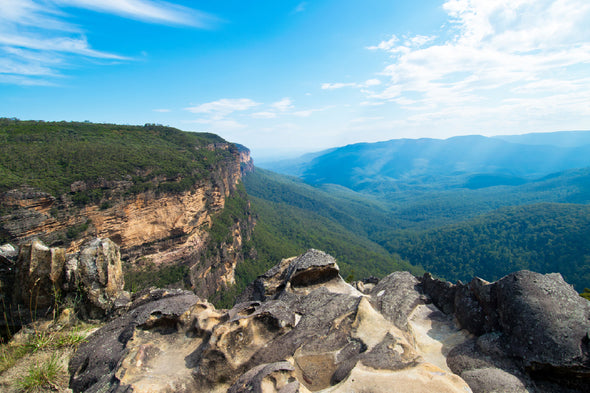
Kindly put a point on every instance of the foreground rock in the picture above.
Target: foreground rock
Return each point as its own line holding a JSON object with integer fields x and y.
{"x": 41, "y": 281}
{"x": 301, "y": 328}
{"x": 532, "y": 333}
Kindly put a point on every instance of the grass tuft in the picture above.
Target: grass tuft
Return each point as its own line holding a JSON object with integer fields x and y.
{"x": 41, "y": 376}
{"x": 9, "y": 355}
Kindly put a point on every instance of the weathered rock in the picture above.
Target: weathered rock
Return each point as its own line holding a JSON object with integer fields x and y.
{"x": 99, "y": 364}
{"x": 8, "y": 251}
{"x": 547, "y": 325}
{"x": 308, "y": 331}
{"x": 534, "y": 327}
{"x": 267, "y": 378}
{"x": 493, "y": 380}
{"x": 40, "y": 274}
{"x": 98, "y": 274}
{"x": 396, "y": 296}
{"x": 442, "y": 293}
{"x": 313, "y": 267}
{"x": 300, "y": 328}
{"x": 299, "y": 275}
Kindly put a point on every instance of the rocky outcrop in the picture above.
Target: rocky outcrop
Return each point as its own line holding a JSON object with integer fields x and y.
{"x": 117, "y": 352}
{"x": 532, "y": 333}
{"x": 96, "y": 274}
{"x": 40, "y": 274}
{"x": 43, "y": 280}
{"x": 300, "y": 328}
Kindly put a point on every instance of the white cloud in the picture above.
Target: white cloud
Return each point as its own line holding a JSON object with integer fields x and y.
{"x": 334, "y": 86}
{"x": 264, "y": 115}
{"x": 145, "y": 10}
{"x": 283, "y": 105}
{"x": 223, "y": 107}
{"x": 37, "y": 40}
{"x": 309, "y": 112}
{"x": 502, "y": 60}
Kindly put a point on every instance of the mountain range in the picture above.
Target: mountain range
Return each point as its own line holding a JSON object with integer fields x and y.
{"x": 465, "y": 161}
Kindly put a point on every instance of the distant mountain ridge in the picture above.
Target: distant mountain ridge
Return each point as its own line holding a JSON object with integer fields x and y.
{"x": 560, "y": 138}
{"x": 407, "y": 162}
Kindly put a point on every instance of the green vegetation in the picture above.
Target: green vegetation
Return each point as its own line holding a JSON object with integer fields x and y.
{"x": 41, "y": 341}
{"x": 150, "y": 275}
{"x": 455, "y": 233}
{"x": 293, "y": 216}
{"x": 542, "y": 237}
{"x": 50, "y": 156}
{"x": 42, "y": 376}
{"x": 586, "y": 293}
{"x": 9, "y": 355}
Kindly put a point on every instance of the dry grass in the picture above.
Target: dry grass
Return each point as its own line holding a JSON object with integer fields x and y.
{"x": 36, "y": 359}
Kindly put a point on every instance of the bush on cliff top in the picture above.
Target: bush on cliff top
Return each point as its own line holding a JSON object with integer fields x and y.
{"x": 50, "y": 156}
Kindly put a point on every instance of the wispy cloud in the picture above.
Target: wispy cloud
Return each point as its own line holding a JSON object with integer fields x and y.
{"x": 161, "y": 110}
{"x": 283, "y": 105}
{"x": 153, "y": 11}
{"x": 264, "y": 115}
{"x": 309, "y": 112}
{"x": 38, "y": 41}
{"x": 223, "y": 107}
{"x": 507, "y": 56}
{"x": 334, "y": 86}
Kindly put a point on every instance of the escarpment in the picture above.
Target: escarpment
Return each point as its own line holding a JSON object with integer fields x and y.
{"x": 301, "y": 328}
{"x": 159, "y": 220}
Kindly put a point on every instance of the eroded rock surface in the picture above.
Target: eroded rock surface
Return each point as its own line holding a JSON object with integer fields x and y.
{"x": 531, "y": 333}
{"x": 300, "y": 328}
{"x": 42, "y": 280}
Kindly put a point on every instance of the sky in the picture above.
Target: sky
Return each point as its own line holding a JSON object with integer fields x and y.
{"x": 287, "y": 77}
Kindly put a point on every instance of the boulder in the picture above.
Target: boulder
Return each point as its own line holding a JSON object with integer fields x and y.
{"x": 96, "y": 273}
{"x": 532, "y": 326}
{"x": 40, "y": 274}
{"x": 118, "y": 351}
{"x": 546, "y": 324}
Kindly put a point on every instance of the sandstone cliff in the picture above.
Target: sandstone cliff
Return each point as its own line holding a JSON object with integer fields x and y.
{"x": 301, "y": 328}
{"x": 154, "y": 227}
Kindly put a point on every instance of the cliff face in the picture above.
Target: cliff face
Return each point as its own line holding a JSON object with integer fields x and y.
{"x": 153, "y": 227}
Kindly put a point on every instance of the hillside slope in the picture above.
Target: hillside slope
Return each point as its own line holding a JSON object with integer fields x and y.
{"x": 543, "y": 237}
{"x": 156, "y": 191}
{"x": 293, "y": 216}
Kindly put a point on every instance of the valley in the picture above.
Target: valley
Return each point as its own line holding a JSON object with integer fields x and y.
{"x": 455, "y": 224}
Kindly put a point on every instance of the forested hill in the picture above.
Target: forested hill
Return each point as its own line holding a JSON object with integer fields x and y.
{"x": 50, "y": 156}
{"x": 293, "y": 216}
{"x": 543, "y": 237}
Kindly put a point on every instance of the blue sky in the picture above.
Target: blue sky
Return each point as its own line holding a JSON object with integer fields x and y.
{"x": 285, "y": 77}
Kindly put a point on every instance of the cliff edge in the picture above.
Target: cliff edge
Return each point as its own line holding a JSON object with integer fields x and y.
{"x": 300, "y": 328}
